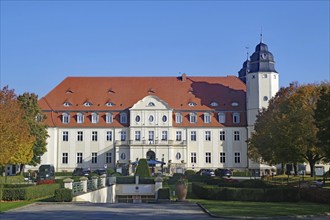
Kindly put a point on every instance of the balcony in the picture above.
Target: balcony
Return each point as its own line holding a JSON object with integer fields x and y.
{"x": 157, "y": 142}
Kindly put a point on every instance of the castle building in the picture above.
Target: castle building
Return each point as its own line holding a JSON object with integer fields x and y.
{"x": 187, "y": 122}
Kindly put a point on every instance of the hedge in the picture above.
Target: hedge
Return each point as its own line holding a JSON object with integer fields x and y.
{"x": 29, "y": 193}
{"x": 63, "y": 195}
{"x": 164, "y": 193}
{"x": 131, "y": 180}
{"x": 319, "y": 195}
{"x": 11, "y": 179}
{"x": 210, "y": 192}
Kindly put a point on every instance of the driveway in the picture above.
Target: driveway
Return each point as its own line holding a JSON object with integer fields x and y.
{"x": 91, "y": 211}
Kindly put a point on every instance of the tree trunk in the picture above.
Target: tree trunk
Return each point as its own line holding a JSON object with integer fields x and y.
{"x": 312, "y": 165}
{"x": 21, "y": 168}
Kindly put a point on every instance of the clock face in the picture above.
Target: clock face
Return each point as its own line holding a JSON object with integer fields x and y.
{"x": 263, "y": 56}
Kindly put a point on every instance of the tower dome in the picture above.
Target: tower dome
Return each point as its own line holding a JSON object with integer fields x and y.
{"x": 262, "y": 60}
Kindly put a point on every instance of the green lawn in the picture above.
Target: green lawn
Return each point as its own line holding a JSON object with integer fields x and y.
{"x": 5, "y": 206}
{"x": 262, "y": 209}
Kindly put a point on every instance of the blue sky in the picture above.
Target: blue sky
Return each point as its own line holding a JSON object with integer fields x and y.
{"x": 42, "y": 42}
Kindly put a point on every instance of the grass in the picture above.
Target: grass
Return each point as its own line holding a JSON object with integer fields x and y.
{"x": 258, "y": 209}
{"x": 8, "y": 205}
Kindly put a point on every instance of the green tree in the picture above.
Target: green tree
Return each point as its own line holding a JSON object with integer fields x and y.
{"x": 285, "y": 132}
{"x": 322, "y": 120}
{"x": 34, "y": 117}
{"x": 142, "y": 169}
{"x": 15, "y": 140}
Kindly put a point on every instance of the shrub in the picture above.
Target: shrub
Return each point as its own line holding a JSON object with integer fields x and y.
{"x": 164, "y": 193}
{"x": 63, "y": 174}
{"x": 110, "y": 171}
{"x": 189, "y": 172}
{"x": 13, "y": 194}
{"x": 142, "y": 169}
{"x": 29, "y": 193}
{"x": 318, "y": 195}
{"x": 116, "y": 174}
{"x": 63, "y": 195}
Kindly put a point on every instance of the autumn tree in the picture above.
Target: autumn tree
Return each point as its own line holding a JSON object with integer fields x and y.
{"x": 15, "y": 140}
{"x": 34, "y": 117}
{"x": 285, "y": 132}
{"x": 322, "y": 120}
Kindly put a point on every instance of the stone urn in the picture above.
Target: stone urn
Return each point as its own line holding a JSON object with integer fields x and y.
{"x": 181, "y": 188}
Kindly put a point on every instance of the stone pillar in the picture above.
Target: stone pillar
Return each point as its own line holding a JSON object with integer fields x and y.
{"x": 68, "y": 183}
{"x": 158, "y": 185}
{"x": 94, "y": 179}
{"x": 83, "y": 181}
{"x": 136, "y": 180}
{"x": 103, "y": 179}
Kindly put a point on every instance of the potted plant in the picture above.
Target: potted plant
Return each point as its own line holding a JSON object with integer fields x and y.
{"x": 181, "y": 189}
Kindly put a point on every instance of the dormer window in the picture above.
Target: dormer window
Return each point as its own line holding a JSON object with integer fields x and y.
{"x": 80, "y": 118}
{"x": 95, "y": 118}
{"x": 67, "y": 104}
{"x": 108, "y": 118}
{"x": 87, "y": 104}
{"x": 192, "y": 104}
{"x": 236, "y": 118}
{"x": 193, "y": 118}
{"x": 214, "y": 104}
{"x": 65, "y": 118}
{"x": 234, "y": 104}
{"x": 178, "y": 118}
{"x": 151, "y": 104}
{"x": 110, "y": 104}
{"x": 207, "y": 118}
{"x": 222, "y": 117}
{"x": 123, "y": 117}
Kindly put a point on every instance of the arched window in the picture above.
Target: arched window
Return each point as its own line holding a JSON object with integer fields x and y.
{"x": 80, "y": 118}
{"x": 95, "y": 118}
{"x": 193, "y": 117}
{"x": 222, "y": 117}
{"x": 151, "y": 155}
{"x": 108, "y": 118}
{"x": 207, "y": 118}
{"x": 123, "y": 117}
{"x": 65, "y": 118}
{"x": 236, "y": 118}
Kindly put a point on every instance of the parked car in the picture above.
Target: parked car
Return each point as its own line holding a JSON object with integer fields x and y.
{"x": 46, "y": 172}
{"x": 81, "y": 172}
{"x": 100, "y": 172}
{"x": 206, "y": 172}
{"x": 223, "y": 172}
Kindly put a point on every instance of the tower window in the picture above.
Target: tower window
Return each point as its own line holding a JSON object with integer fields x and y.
{"x": 265, "y": 98}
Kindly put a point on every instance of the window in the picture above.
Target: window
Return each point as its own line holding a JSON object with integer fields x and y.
{"x": 208, "y": 135}
{"x": 236, "y": 118}
{"x": 108, "y": 158}
{"x": 95, "y": 118}
{"x": 88, "y": 104}
{"x": 193, "y": 118}
{"x": 108, "y": 118}
{"x": 94, "y": 157}
{"x": 214, "y": 104}
{"x": 178, "y": 118}
{"x": 178, "y": 135}
{"x": 79, "y": 136}
{"x": 80, "y": 118}
{"x": 193, "y": 135}
{"x": 65, "y": 158}
{"x": 123, "y": 117}
{"x": 94, "y": 135}
{"x": 65, "y": 118}
{"x": 151, "y": 118}
{"x": 222, "y": 136}
{"x": 110, "y": 104}
{"x": 109, "y": 136}
{"x": 207, "y": 118}
{"x": 265, "y": 98}
{"x": 236, "y": 135}
{"x": 123, "y": 156}
{"x": 137, "y": 118}
{"x": 208, "y": 157}
{"x": 151, "y": 104}
{"x": 234, "y": 104}
{"x": 192, "y": 104}
{"x": 193, "y": 157}
{"x": 164, "y": 118}
{"x": 222, "y": 157}
{"x": 222, "y": 117}
{"x": 237, "y": 157}
{"x": 67, "y": 104}
{"x": 123, "y": 135}
{"x": 65, "y": 136}
{"x": 264, "y": 76}
{"x": 79, "y": 157}
{"x": 151, "y": 135}
{"x": 137, "y": 135}
{"x": 39, "y": 117}
{"x": 164, "y": 135}
{"x": 178, "y": 156}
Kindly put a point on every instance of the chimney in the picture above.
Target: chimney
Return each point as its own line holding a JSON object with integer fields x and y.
{"x": 183, "y": 77}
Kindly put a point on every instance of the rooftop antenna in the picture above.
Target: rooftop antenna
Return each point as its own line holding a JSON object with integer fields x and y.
{"x": 261, "y": 35}
{"x": 247, "y": 53}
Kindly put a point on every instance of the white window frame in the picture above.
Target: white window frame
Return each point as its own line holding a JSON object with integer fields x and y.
{"x": 65, "y": 136}
{"x": 94, "y": 157}
{"x": 138, "y": 135}
{"x": 80, "y": 136}
{"x": 108, "y": 118}
{"x": 95, "y": 118}
{"x": 178, "y": 135}
{"x": 222, "y": 135}
{"x": 236, "y": 136}
{"x": 207, "y": 135}
{"x": 79, "y": 157}
{"x": 222, "y": 157}
{"x": 193, "y": 157}
{"x": 109, "y": 136}
{"x": 208, "y": 157}
{"x": 65, "y": 118}
{"x": 222, "y": 117}
{"x": 207, "y": 118}
{"x": 237, "y": 157}
{"x": 123, "y": 117}
{"x": 236, "y": 118}
{"x": 80, "y": 118}
{"x": 123, "y": 135}
{"x": 193, "y": 135}
{"x": 193, "y": 118}
{"x": 108, "y": 157}
{"x": 151, "y": 135}
{"x": 178, "y": 118}
{"x": 94, "y": 136}
{"x": 164, "y": 135}
{"x": 65, "y": 158}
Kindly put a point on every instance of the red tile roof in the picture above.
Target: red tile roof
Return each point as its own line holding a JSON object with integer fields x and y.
{"x": 124, "y": 92}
